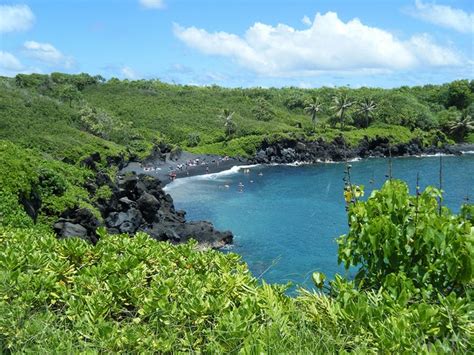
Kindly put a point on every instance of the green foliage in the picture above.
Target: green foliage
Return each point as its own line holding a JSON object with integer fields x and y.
{"x": 405, "y": 110}
{"x": 137, "y": 295}
{"x": 193, "y": 139}
{"x": 461, "y": 126}
{"x": 397, "y": 239}
{"x": 69, "y": 93}
{"x": 47, "y": 125}
{"x": 295, "y": 102}
{"x": 365, "y": 113}
{"x": 313, "y": 108}
{"x": 103, "y": 193}
{"x": 129, "y": 114}
{"x": 413, "y": 292}
{"x": 229, "y": 125}
{"x": 24, "y": 173}
{"x": 263, "y": 110}
{"x": 342, "y": 103}
{"x": 375, "y": 321}
{"x": 244, "y": 147}
{"x": 467, "y": 212}
{"x": 460, "y": 94}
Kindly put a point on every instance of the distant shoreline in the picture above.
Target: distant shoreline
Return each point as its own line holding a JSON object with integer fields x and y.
{"x": 202, "y": 164}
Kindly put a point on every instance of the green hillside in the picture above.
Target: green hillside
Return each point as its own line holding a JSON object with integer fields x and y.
{"x": 136, "y": 114}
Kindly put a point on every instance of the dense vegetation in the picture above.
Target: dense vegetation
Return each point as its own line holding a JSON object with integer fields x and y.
{"x": 413, "y": 292}
{"x": 134, "y": 294}
{"x": 135, "y": 114}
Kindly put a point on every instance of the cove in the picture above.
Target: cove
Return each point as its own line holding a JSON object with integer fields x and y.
{"x": 286, "y": 218}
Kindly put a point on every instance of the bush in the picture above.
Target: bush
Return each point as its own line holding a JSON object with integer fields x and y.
{"x": 263, "y": 110}
{"x": 136, "y": 295}
{"x": 412, "y": 239}
{"x": 193, "y": 139}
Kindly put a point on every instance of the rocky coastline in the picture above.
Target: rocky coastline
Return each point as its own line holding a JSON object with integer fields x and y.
{"x": 291, "y": 151}
{"x": 138, "y": 202}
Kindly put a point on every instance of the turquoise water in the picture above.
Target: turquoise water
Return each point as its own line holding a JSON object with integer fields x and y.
{"x": 285, "y": 222}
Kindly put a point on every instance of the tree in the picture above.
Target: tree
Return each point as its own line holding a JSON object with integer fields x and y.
{"x": 229, "y": 124}
{"x": 459, "y": 94}
{"x": 462, "y": 126}
{"x": 98, "y": 122}
{"x": 366, "y": 108}
{"x": 69, "y": 93}
{"x": 341, "y": 104}
{"x": 314, "y": 106}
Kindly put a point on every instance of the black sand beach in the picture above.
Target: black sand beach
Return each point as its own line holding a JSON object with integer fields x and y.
{"x": 187, "y": 164}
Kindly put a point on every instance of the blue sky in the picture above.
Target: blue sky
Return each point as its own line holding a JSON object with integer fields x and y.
{"x": 243, "y": 43}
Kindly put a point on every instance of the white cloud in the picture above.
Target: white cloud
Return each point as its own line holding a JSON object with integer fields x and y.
{"x": 47, "y": 53}
{"x": 153, "y": 4}
{"x": 15, "y": 18}
{"x": 423, "y": 47}
{"x": 329, "y": 45}
{"x": 444, "y": 16}
{"x": 128, "y": 73}
{"x": 9, "y": 62}
{"x": 10, "y": 66}
{"x": 306, "y": 21}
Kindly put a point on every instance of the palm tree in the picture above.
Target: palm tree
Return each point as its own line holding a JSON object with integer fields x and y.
{"x": 366, "y": 108}
{"x": 312, "y": 109}
{"x": 341, "y": 104}
{"x": 462, "y": 126}
{"x": 229, "y": 124}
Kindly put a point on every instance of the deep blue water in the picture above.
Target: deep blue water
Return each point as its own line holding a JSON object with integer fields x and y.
{"x": 286, "y": 221}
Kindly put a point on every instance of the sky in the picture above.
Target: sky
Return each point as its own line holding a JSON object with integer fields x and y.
{"x": 243, "y": 43}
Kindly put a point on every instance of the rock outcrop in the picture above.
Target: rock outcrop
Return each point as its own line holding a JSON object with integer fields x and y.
{"x": 139, "y": 204}
{"x": 290, "y": 151}
{"x": 80, "y": 222}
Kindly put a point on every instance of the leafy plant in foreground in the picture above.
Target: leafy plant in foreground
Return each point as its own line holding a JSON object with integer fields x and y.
{"x": 395, "y": 237}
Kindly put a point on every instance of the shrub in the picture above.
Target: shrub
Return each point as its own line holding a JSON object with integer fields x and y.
{"x": 262, "y": 110}
{"x": 395, "y": 237}
{"x": 193, "y": 139}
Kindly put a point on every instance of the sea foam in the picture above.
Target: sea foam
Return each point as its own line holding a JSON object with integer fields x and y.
{"x": 212, "y": 176}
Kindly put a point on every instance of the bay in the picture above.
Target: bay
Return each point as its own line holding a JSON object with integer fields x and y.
{"x": 285, "y": 218}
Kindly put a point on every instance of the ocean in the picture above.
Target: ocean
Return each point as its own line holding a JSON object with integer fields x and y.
{"x": 285, "y": 218}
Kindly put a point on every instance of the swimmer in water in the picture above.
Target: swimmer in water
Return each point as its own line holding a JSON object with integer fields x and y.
{"x": 260, "y": 174}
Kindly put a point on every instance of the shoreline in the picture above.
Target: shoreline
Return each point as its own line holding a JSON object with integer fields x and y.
{"x": 186, "y": 165}
{"x": 209, "y": 164}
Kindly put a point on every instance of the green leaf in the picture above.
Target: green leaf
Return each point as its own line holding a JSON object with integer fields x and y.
{"x": 318, "y": 279}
